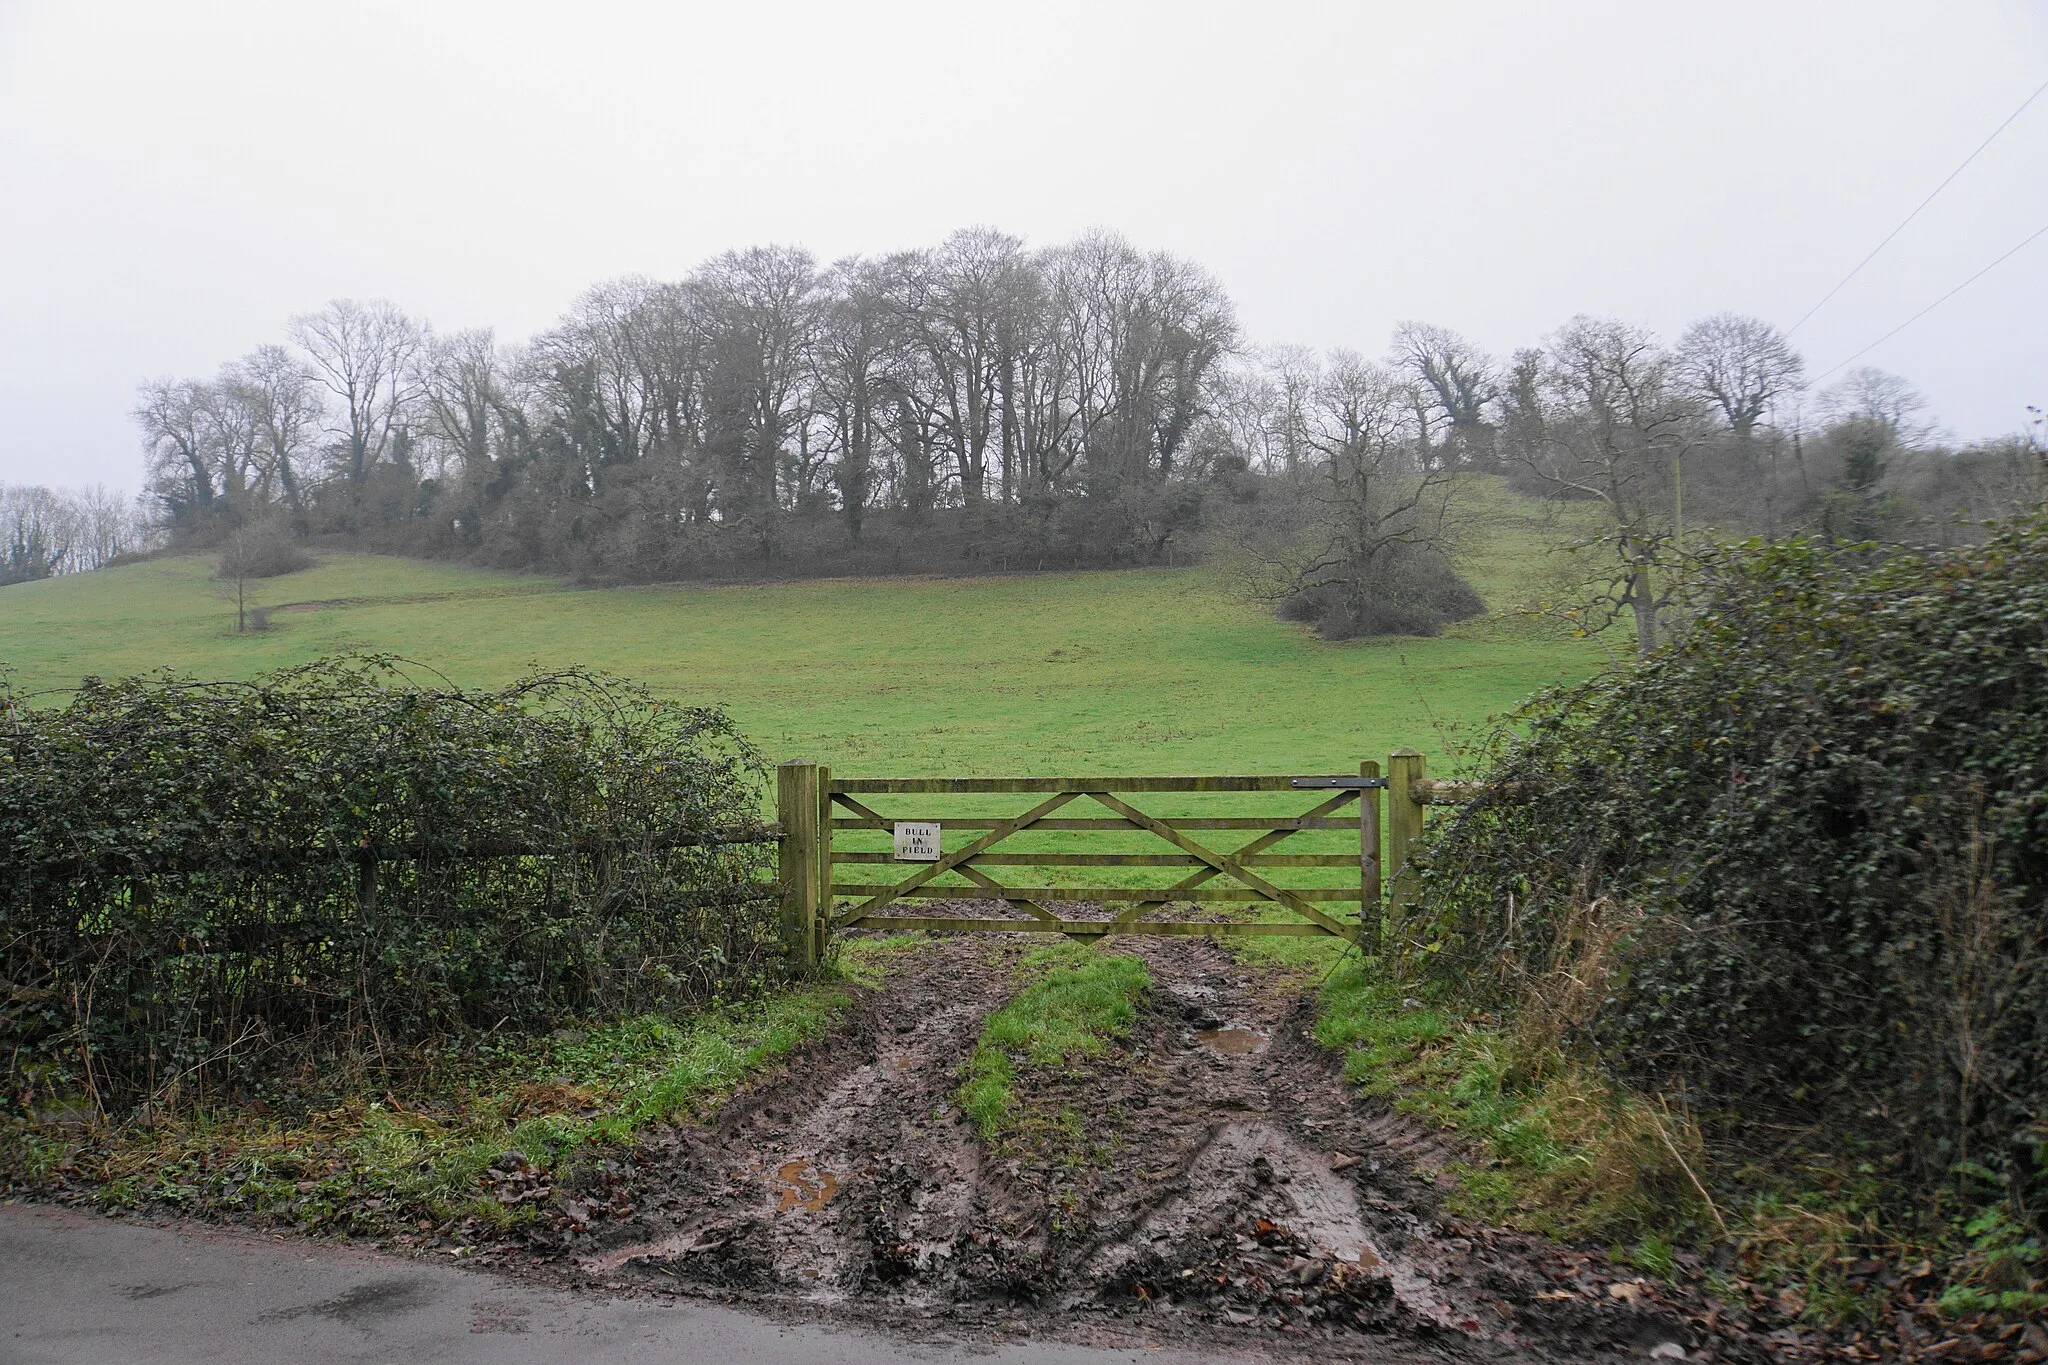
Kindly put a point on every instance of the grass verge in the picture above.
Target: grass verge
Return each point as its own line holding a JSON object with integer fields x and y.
{"x": 1083, "y": 1001}
{"x": 474, "y": 1150}
{"x": 1561, "y": 1147}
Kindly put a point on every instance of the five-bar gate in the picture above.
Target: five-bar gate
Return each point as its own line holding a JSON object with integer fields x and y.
{"x": 940, "y": 852}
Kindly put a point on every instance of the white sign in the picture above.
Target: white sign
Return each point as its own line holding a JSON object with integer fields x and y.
{"x": 917, "y": 843}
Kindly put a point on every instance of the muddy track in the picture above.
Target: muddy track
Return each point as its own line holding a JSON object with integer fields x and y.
{"x": 1215, "y": 1181}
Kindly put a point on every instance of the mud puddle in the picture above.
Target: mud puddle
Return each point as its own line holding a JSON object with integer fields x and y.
{"x": 1214, "y": 1183}
{"x": 1232, "y": 1042}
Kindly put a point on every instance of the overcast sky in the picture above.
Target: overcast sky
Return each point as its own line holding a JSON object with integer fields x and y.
{"x": 177, "y": 179}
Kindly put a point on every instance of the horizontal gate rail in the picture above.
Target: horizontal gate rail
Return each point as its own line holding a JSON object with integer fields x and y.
{"x": 1074, "y": 823}
{"x": 1101, "y": 928}
{"x": 1131, "y": 859}
{"x": 1159, "y": 894}
{"x": 958, "y": 786}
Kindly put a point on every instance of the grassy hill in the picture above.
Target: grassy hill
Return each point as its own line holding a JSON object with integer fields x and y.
{"x": 1151, "y": 671}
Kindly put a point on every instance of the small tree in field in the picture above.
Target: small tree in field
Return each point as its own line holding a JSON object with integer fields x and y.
{"x": 250, "y": 554}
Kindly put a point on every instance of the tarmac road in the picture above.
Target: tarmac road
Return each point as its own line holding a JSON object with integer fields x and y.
{"x": 76, "y": 1288}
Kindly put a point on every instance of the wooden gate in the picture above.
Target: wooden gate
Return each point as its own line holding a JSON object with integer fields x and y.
{"x": 1217, "y": 859}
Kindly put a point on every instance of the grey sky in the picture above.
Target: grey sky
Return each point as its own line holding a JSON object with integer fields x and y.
{"x": 176, "y": 179}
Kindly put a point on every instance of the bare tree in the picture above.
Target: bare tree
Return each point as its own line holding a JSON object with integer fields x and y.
{"x": 176, "y": 440}
{"x": 1296, "y": 371}
{"x": 1873, "y": 395}
{"x": 285, "y": 409}
{"x": 1040, "y": 379}
{"x": 858, "y": 375}
{"x": 363, "y": 354}
{"x": 1454, "y": 382}
{"x": 1145, "y": 332}
{"x": 464, "y": 389}
{"x": 1739, "y": 365}
{"x": 1250, "y": 409}
{"x": 108, "y": 525}
{"x": 760, "y": 309}
{"x": 1615, "y": 423}
{"x": 957, "y": 303}
{"x": 49, "y": 531}
{"x": 236, "y": 439}
{"x": 36, "y": 532}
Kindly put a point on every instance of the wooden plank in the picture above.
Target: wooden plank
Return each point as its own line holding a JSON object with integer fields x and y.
{"x": 1124, "y": 860}
{"x": 1292, "y": 900}
{"x": 1155, "y": 894}
{"x": 1434, "y": 791}
{"x": 961, "y": 785}
{"x": 959, "y": 856}
{"x": 1092, "y": 928}
{"x": 1075, "y": 823}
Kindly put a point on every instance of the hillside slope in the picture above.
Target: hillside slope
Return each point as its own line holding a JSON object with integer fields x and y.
{"x": 1136, "y": 670}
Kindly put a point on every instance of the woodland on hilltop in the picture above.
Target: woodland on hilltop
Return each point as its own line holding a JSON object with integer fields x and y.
{"x": 986, "y": 406}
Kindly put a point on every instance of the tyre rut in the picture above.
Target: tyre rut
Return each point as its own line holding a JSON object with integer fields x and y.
{"x": 1213, "y": 1179}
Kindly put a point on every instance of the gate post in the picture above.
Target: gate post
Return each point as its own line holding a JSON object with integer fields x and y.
{"x": 796, "y": 807}
{"x": 1406, "y": 769}
{"x": 1370, "y": 910}
{"x": 821, "y": 921}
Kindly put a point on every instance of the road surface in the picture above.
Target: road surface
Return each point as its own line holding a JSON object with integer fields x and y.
{"x": 78, "y": 1288}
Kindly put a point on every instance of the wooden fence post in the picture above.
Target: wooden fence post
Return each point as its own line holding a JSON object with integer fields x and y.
{"x": 1405, "y": 769}
{"x": 1369, "y": 909}
{"x": 821, "y": 931}
{"x": 796, "y": 807}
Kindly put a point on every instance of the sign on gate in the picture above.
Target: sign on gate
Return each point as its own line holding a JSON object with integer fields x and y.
{"x": 917, "y": 842}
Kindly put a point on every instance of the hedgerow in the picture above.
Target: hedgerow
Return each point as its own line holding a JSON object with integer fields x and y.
{"x": 1794, "y": 866}
{"x": 206, "y": 884}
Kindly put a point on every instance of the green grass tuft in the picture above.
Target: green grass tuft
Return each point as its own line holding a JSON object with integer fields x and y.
{"x": 1085, "y": 1000}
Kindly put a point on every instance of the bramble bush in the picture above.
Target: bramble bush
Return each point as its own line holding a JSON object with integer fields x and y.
{"x": 1800, "y": 857}
{"x": 206, "y": 884}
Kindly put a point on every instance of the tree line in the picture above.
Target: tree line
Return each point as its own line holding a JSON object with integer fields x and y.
{"x": 984, "y": 404}
{"x": 49, "y": 531}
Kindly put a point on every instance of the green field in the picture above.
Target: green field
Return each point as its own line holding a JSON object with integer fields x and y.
{"x": 1132, "y": 672}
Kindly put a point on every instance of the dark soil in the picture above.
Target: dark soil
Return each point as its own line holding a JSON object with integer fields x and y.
{"x": 1213, "y": 1182}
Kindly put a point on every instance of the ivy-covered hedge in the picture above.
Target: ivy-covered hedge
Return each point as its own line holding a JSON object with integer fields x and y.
{"x": 1804, "y": 851}
{"x": 202, "y": 883}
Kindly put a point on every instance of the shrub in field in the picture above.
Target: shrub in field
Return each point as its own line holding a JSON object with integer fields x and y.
{"x": 1816, "y": 830}
{"x": 1399, "y": 590}
{"x": 202, "y": 884}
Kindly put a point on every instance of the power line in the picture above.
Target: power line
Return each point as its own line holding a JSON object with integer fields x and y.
{"x": 1916, "y": 212}
{"x": 2027, "y": 240}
